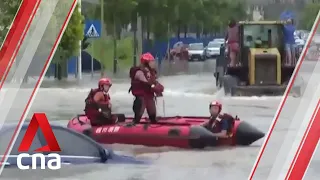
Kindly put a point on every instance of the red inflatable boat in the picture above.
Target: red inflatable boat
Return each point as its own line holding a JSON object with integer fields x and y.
{"x": 183, "y": 132}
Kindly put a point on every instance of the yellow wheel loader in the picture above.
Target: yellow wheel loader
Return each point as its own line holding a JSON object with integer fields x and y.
{"x": 261, "y": 69}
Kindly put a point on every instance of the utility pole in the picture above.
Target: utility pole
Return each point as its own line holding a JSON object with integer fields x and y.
{"x": 115, "y": 59}
{"x": 102, "y": 34}
{"x": 135, "y": 43}
{"x": 139, "y": 35}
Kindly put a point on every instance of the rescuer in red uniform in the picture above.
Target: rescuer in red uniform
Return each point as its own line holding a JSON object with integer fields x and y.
{"x": 220, "y": 124}
{"x": 98, "y": 106}
{"x": 145, "y": 88}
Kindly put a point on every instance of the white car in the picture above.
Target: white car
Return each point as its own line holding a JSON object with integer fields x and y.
{"x": 196, "y": 52}
{"x": 299, "y": 42}
{"x": 221, "y": 40}
{"x": 213, "y": 49}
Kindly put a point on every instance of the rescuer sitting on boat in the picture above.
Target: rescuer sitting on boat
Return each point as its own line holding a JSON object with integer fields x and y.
{"x": 221, "y": 125}
{"x": 145, "y": 88}
{"x": 98, "y": 106}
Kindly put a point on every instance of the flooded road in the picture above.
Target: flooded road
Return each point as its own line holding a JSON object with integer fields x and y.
{"x": 184, "y": 95}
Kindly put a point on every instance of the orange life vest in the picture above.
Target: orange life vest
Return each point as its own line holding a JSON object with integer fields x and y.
{"x": 216, "y": 126}
{"x": 91, "y": 105}
{"x": 139, "y": 88}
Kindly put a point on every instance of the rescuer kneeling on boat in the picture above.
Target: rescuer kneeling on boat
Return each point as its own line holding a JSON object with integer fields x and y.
{"x": 145, "y": 88}
{"x": 98, "y": 106}
{"x": 220, "y": 124}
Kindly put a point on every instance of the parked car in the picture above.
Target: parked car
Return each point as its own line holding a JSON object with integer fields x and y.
{"x": 213, "y": 49}
{"x": 196, "y": 52}
{"x": 302, "y": 34}
{"x": 221, "y": 40}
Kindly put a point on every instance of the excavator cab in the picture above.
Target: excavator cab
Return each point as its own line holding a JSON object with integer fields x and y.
{"x": 261, "y": 55}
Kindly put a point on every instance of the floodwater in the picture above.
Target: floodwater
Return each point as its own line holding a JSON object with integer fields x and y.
{"x": 184, "y": 95}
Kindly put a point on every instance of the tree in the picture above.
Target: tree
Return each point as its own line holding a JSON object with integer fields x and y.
{"x": 184, "y": 16}
{"x": 69, "y": 44}
{"x": 212, "y": 20}
{"x": 160, "y": 18}
{"x": 144, "y": 9}
{"x": 309, "y": 14}
{"x": 8, "y": 9}
{"x": 118, "y": 15}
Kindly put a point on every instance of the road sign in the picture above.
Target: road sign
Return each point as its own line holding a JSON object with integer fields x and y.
{"x": 92, "y": 29}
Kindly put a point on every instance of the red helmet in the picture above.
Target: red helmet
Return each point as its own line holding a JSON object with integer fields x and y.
{"x": 104, "y": 81}
{"x": 215, "y": 103}
{"x": 146, "y": 57}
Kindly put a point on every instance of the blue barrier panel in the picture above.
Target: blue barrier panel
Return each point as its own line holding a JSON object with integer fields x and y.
{"x": 72, "y": 65}
{"x": 86, "y": 63}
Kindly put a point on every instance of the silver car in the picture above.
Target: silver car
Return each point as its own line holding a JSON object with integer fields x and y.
{"x": 196, "y": 52}
{"x": 213, "y": 49}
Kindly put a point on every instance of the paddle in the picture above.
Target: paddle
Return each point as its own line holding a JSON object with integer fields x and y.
{"x": 158, "y": 91}
{"x": 163, "y": 107}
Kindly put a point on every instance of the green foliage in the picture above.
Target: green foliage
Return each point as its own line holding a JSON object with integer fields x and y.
{"x": 69, "y": 44}
{"x": 8, "y": 9}
{"x": 118, "y": 12}
{"x": 161, "y": 18}
{"x": 207, "y": 15}
{"x": 309, "y": 14}
{"x": 102, "y": 50}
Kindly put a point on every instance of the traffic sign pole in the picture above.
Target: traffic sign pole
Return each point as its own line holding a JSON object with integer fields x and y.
{"x": 92, "y": 61}
{"x": 93, "y": 30}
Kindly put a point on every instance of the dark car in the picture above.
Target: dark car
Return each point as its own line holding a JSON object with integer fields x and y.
{"x": 75, "y": 148}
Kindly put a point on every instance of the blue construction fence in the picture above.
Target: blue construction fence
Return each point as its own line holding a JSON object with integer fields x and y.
{"x": 157, "y": 49}
{"x": 72, "y": 64}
